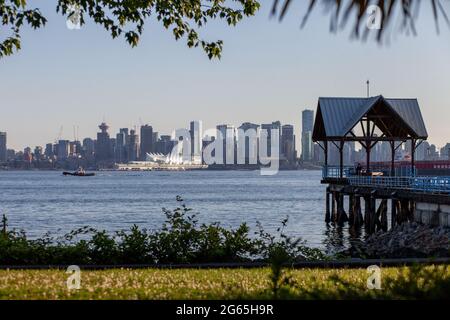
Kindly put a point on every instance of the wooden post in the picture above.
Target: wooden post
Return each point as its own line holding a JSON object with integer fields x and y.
{"x": 413, "y": 156}
{"x": 393, "y": 213}
{"x": 412, "y": 206}
{"x": 357, "y": 213}
{"x": 368, "y": 146}
{"x": 327, "y": 206}
{"x": 367, "y": 212}
{"x": 351, "y": 209}
{"x": 404, "y": 211}
{"x": 333, "y": 207}
{"x": 341, "y": 159}
{"x": 392, "y": 158}
{"x": 342, "y": 216}
{"x": 373, "y": 215}
{"x": 383, "y": 212}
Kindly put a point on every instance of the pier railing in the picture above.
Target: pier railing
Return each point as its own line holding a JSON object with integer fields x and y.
{"x": 350, "y": 171}
{"x": 422, "y": 184}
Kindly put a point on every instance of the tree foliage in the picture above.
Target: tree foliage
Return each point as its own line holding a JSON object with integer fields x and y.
{"x": 392, "y": 11}
{"x": 127, "y": 18}
{"x": 185, "y": 18}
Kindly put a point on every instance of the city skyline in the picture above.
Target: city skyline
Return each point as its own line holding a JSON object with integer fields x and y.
{"x": 83, "y": 76}
{"x": 130, "y": 145}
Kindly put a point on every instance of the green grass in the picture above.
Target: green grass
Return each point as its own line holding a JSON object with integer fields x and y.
{"x": 397, "y": 283}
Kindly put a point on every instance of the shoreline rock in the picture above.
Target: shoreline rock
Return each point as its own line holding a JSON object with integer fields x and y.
{"x": 407, "y": 240}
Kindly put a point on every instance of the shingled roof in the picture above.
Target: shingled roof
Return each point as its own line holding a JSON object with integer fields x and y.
{"x": 336, "y": 117}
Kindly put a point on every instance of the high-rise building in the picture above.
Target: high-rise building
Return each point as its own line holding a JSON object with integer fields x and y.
{"x": 38, "y": 153}
{"x": 146, "y": 141}
{"x": 227, "y": 133}
{"x": 307, "y": 128}
{"x": 27, "y": 156}
{"x": 63, "y": 149}
{"x": 422, "y": 151}
{"x": 103, "y": 150}
{"x": 288, "y": 143}
{"x": 88, "y": 147}
{"x": 269, "y": 127}
{"x": 433, "y": 154}
{"x": 133, "y": 146}
{"x": 196, "y": 132}
{"x": 3, "y": 148}
{"x": 248, "y": 139}
{"x": 445, "y": 152}
{"x": 165, "y": 145}
{"x": 49, "y": 152}
{"x": 120, "y": 150}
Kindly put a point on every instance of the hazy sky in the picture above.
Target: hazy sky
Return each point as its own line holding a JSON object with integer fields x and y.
{"x": 269, "y": 71}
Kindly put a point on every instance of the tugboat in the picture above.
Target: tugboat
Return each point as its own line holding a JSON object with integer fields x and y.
{"x": 79, "y": 173}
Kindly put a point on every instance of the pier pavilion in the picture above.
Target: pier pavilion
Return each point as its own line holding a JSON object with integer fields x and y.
{"x": 369, "y": 121}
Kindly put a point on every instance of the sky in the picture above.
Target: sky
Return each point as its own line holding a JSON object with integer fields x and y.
{"x": 269, "y": 71}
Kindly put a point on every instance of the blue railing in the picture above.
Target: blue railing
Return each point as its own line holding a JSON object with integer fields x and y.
{"x": 350, "y": 171}
{"x": 405, "y": 178}
{"x": 422, "y": 184}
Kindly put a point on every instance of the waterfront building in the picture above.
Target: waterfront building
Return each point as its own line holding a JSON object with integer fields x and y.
{"x": 10, "y": 154}
{"x": 307, "y": 146}
{"x": 268, "y": 127}
{"x": 133, "y": 146}
{"x": 319, "y": 156}
{"x": 103, "y": 147}
{"x": 227, "y": 133}
{"x": 146, "y": 145}
{"x": 49, "y": 152}
{"x": 433, "y": 154}
{"x": 196, "y": 132}
{"x": 307, "y": 129}
{"x": 3, "y": 147}
{"x": 288, "y": 143}
{"x": 248, "y": 140}
{"x": 63, "y": 149}
{"x": 38, "y": 153}
{"x": 165, "y": 144}
{"x": 27, "y": 155}
{"x": 445, "y": 152}
{"x": 120, "y": 150}
{"x": 88, "y": 147}
{"x": 155, "y": 138}
{"x": 422, "y": 151}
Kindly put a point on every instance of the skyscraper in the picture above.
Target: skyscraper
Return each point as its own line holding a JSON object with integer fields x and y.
{"x": 49, "y": 150}
{"x": 276, "y": 125}
{"x": 248, "y": 139}
{"x": 3, "y": 148}
{"x": 307, "y": 128}
{"x": 63, "y": 149}
{"x": 445, "y": 152}
{"x": 227, "y": 133}
{"x": 121, "y": 146}
{"x": 146, "y": 145}
{"x": 288, "y": 142}
{"x": 103, "y": 150}
{"x": 165, "y": 144}
{"x": 133, "y": 146}
{"x": 196, "y": 141}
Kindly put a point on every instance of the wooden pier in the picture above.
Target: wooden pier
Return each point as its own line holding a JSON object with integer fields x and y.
{"x": 375, "y": 207}
{"x": 367, "y": 196}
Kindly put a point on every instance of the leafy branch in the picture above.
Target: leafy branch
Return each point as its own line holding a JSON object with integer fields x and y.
{"x": 127, "y": 18}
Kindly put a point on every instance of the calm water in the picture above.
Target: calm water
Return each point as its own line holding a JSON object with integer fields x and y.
{"x": 42, "y": 201}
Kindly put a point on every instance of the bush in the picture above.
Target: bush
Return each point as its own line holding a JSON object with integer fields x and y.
{"x": 181, "y": 240}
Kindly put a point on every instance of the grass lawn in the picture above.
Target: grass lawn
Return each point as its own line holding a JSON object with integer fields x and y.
{"x": 403, "y": 283}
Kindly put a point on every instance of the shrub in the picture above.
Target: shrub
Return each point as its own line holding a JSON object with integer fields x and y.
{"x": 181, "y": 240}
